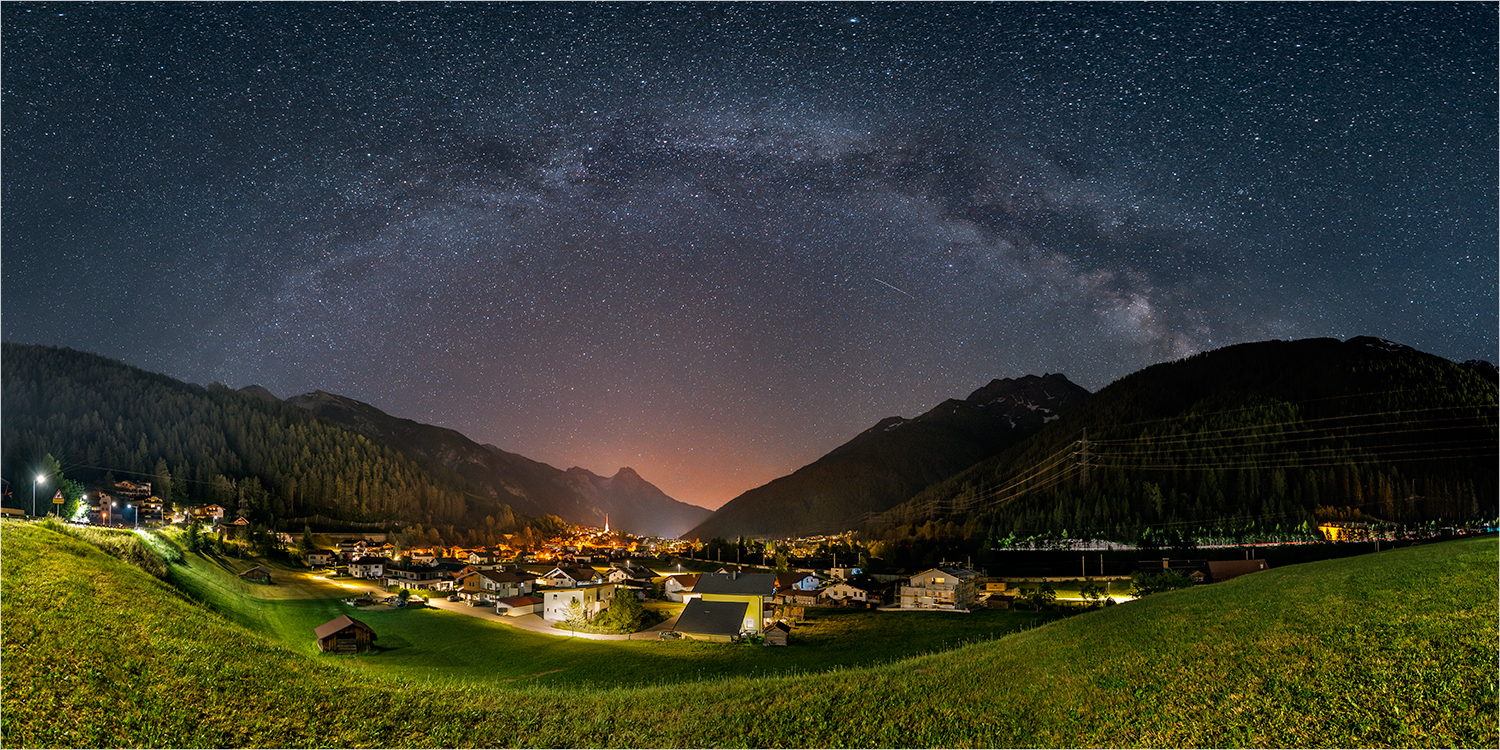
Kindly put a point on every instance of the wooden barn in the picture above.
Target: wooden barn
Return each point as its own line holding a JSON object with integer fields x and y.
{"x": 777, "y": 633}
{"x": 257, "y": 574}
{"x": 344, "y": 635}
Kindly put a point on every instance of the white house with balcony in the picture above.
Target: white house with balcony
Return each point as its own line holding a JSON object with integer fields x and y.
{"x": 591, "y": 599}
{"x": 951, "y": 589}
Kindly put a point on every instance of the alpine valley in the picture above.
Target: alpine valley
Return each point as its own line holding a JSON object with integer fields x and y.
{"x": 1252, "y": 439}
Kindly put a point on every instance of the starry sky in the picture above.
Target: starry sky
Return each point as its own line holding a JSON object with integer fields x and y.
{"x": 714, "y": 241}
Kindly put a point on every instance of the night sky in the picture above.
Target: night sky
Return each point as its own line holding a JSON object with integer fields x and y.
{"x": 714, "y": 241}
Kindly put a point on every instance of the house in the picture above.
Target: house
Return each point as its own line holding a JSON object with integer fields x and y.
{"x": 319, "y": 558}
{"x": 628, "y": 571}
{"x": 348, "y": 547}
{"x": 752, "y": 591}
{"x": 797, "y": 579}
{"x": 844, "y": 574}
{"x": 422, "y": 556}
{"x": 515, "y": 606}
{"x": 776, "y": 634}
{"x": 344, "y": 635}
{"x": 495, "y": 584}
{"x": 676, "y": 586}
{"x": 719, "y": 621}
{"x": 368, "y": 567}
{"x": 591, "y": 598}
{"x": 257, "y": 574}
{"x": 853, "y": 593}
{"x": 800, "y": 598}
{"x": 940, "y": 588}
{"x": 1223, "y": 570}
{"x": 479, "y": 557}
{"x": 566, "y": 577}
{"x": 415, "y": 577}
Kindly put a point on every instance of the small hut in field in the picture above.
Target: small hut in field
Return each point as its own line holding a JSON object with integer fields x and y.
{"x": 777, "y": 633}
{"x": 257, "y": 574}
{"x": 344, "y": 635}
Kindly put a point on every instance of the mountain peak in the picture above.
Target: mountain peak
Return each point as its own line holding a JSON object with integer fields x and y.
{"x": 259, "y": 392}
{"x": 1015, "y": 389}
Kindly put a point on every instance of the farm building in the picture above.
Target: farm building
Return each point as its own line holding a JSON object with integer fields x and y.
{"x": 344, "y": 635}
{"x": 777, "y": 633}
{"x": 257, "y": 574}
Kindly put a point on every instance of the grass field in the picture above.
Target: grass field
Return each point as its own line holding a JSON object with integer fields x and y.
{"x": 1394, "y": 649}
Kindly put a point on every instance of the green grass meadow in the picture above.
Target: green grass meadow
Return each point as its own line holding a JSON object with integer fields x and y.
{"x": 1392, "y": 649}
{"x": 433, "y": 646}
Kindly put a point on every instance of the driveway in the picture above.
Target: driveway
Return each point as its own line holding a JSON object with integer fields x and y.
{"x": 536, "y": 624}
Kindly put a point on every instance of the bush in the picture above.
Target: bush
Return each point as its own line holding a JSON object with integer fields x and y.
{"x": 1142, "y": 584}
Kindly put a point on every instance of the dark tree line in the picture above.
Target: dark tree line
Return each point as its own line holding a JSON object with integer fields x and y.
{"x": 266, "y": 460}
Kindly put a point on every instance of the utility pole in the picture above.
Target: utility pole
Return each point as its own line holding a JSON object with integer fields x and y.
{"x": 1083, "y": 460}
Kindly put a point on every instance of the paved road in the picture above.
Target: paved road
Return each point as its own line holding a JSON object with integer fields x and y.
{"x": 535, "y": 623}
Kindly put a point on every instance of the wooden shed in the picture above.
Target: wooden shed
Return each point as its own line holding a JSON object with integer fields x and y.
{"x": 777, "y": 633}
{"x": 257, "y": 574}
{"x": 344, "y": 635}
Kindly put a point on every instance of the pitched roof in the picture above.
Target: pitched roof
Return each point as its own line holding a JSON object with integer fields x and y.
{"x": 520, "y": 601}
{"x": 576, "y": 573}
{"x": 759, "y": 584}
{"x": 791, "y": 578}
{"x": 711, "y": 618}
{"x": 339, "y": 623}
{"x": 962, "y": 574}
{"x": 685, "y": 580}
{"x": 254, "y": 569}
{"x": 503, "y": 576}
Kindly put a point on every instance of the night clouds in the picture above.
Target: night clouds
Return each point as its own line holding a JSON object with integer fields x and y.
{"x": 714, "y": 241}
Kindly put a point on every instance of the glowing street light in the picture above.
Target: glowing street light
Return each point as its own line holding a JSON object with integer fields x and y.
{"x": 39, "y": 479}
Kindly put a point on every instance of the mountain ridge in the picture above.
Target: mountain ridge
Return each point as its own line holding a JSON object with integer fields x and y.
{"x": 893, "y": 459}
{"x": 532, "y": 487}
{"x": 1264, "y": 434}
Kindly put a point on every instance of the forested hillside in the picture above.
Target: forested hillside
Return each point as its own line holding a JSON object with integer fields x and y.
{"x": 577, "y": 496}
{"x": 893, "y": 460}
{"x": 1256, "y": 439}
{"x": 258, "y": 457}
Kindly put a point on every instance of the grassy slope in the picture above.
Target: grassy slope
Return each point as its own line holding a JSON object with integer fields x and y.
{"x": 1394, "y": 649}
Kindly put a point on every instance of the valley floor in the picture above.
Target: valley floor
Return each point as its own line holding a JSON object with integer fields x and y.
{"x": 1394, "y": 649}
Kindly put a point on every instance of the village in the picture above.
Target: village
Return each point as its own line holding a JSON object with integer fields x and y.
{"x": 566, "y": 585}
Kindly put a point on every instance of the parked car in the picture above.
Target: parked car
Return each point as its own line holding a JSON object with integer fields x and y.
{"x": 477, "y": 602}
{"x": 454, "y": 598}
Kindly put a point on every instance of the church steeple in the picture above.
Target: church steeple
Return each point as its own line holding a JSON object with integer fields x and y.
{"x": 606, "y": 523}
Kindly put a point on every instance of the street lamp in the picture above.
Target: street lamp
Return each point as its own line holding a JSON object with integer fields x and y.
{"x": 136, "y": 515}
{"x": 39, "y": 479}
